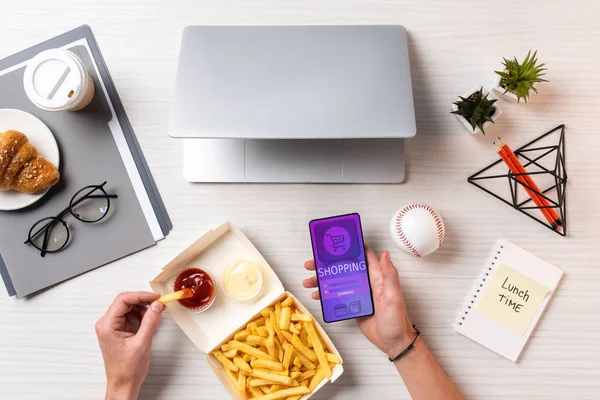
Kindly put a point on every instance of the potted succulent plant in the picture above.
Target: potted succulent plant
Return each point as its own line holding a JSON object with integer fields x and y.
{"x": 517, "y": 80}
{"x": 475, "y": 110}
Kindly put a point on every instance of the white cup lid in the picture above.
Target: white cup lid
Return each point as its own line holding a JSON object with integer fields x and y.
{"x": 55, "y": 80}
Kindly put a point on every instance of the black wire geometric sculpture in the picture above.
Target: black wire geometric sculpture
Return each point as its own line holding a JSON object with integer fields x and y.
{"x": 544, "y": 163}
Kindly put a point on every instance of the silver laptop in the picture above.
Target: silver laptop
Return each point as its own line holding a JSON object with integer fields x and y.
{"x": 293, "y": 103}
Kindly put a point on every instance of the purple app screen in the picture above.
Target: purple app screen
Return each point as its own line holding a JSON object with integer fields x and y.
{"x": 341, "y": 267}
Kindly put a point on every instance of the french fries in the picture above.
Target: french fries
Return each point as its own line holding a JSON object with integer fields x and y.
{"x": 279, "y": 355}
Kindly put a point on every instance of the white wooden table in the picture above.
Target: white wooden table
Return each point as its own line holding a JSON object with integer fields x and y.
{"x": 48, "y": 348}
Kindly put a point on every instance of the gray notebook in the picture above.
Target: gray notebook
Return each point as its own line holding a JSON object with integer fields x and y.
{"x": 96, "y": 144}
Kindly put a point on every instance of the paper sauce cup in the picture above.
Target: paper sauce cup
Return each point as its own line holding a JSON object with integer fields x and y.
{"x": 57, "y": 80}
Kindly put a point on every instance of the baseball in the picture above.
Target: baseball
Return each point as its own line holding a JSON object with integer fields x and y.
{"x": 417, "y": 229}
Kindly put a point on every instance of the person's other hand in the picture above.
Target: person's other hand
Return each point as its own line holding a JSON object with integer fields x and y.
{"x": 389, "y": 328}
{"x": 125, "y": 335}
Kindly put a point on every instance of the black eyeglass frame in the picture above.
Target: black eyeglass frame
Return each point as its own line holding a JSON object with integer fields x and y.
{"x": 69, "y": 210}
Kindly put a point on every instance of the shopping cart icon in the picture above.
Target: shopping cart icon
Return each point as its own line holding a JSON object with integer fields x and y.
{"x": 338, "y": 242}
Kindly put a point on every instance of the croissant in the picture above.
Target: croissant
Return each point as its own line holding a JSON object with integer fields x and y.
{"x": 21, "y": 167}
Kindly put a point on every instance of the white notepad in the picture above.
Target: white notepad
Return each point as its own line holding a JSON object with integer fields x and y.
{"x": 507, "y": 300}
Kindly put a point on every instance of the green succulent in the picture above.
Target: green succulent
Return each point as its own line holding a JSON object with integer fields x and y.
{"x": 519, "y": 78}
{"x": 476, "y": 109}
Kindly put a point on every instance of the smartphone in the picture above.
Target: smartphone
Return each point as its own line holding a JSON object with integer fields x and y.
{"x": 341, "y": 267}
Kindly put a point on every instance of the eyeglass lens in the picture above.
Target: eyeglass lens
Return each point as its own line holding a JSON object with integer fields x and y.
{"x": 51, "y": 230}
{"x": 90, "y": 204}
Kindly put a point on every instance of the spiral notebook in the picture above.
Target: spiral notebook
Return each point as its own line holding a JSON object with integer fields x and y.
{"x": 507, "y": 300}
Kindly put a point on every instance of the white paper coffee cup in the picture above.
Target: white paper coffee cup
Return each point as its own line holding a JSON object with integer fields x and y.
{"x": 57, "y": 80}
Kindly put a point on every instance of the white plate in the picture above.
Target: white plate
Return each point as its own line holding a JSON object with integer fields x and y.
{"x": 41, "y": 137}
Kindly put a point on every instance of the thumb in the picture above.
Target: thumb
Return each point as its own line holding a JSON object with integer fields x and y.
{"x": 150, "y": 322}
{"x": 389, "y": 272}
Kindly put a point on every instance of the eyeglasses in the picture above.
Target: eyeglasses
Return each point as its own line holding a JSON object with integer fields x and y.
{"x": 89, "y": 205}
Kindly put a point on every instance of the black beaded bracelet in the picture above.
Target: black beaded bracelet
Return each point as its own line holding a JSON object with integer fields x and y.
{"x": 410, "y": 346}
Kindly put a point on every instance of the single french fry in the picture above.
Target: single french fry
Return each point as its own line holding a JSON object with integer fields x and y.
{"x": 246, "y": 357}
{"x": 272, "y": 365}
{"x": 304, "y": 337}
{"x": 295, "y": 374}
{"x": 275, "y": 325}
{"x": 181, "y": 294}
{"x": 285, "y": 380}
{"x": 252, "y": 358}
{"x": 304, "y": 361}
{"x": 331, "y": 365}
{"x": 260, "y": 321}
{"x": 301, "y": 317}
{"x": 244, "y": 373}
{"x": 284, "y": 318}
{"x": 225, "y": 361}
{"x": 285, "y": 393}
{"x": 265, "y": 312}
{"x": 244, "y": 348}
{"x": 280, "y": 373}
{"x": 241, "y": 383}
{"x": 243, "y": 365}
{"x": 319, "y": 350}
{"x": 287, "y": 356}
{"x": 230, "y": 353}
{"x": 287, "y": 302}
{"x": 333, "y": 358}
{"x": 303, "y": 349}
{"x": 296, "y": 397}
{"x": 225, "y": 347}
{"x": 271, "y": 347}
{"x": 309, "y": 342}
{"x": 304, "y": 383}
{"x": 241, "y": 335}
{"x": 293, "y": 329}
{"x": 278, "y": 349}
{"x": 316, "y": 379}
{"x": 277, "y": 313}
{"x": 295, "y": 368}
{"x": 256, "y": 392}
{"x": 306, "y": 375}
{"x": 256, "y": 382}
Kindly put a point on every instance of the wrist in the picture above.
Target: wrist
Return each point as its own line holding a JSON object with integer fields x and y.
{"x": 121, "y": 392}
{"x": 401, "y": 343}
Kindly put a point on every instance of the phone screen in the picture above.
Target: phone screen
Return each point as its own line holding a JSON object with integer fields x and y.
{"x": 341, "y": 267}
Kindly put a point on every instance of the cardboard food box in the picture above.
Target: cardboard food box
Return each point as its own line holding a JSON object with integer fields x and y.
{"x": 215, "y": 252}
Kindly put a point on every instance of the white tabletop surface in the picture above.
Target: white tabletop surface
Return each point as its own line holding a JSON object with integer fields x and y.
{"x": 48, "y": 349}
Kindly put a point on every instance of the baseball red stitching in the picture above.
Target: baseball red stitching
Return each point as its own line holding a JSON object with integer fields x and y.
{"x": 436, "y": 219}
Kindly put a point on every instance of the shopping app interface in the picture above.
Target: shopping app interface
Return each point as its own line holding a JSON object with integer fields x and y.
{"x": 341, "y": 267}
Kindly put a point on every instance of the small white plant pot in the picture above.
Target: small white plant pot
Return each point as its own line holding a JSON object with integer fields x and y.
{"x": 466, "y": 123}
{"x": 499, "y": 91}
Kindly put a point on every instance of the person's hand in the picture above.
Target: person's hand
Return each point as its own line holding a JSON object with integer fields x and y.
{"x": 125, "y": 335}
{"x": 389, "y": 328}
